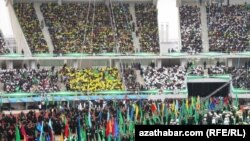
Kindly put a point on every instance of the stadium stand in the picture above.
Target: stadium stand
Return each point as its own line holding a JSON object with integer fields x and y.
{"x": 124, "y": 27}
{"x": 32, "y": 29}
{"x": 29, "y": 80}
{"x": 190, "y": 24}
{"x": 170, "y": 78}
{"x": 228, "y": 28}
{"x": 129, "y": 77}
{"x": 96, "y": 30}
{"x": 3, "y": 48}
{"x": 243, "y": 82}
{"x": 146, "y": 16}
{"x": 66, "y": 27}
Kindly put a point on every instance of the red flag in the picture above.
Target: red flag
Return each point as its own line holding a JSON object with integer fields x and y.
{"x": 25, "y": 138}
{"x": 226, "y": 101}
{"x": 113, "y": 127}
{"x": 109, "y": 128}
{"x": 153, "y": 107}
{"x": 51, "y": 135}
{"x": 66, "y": 132}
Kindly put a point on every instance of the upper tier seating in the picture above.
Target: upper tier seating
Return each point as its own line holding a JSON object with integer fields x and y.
{"x": 190, "y": 23}
{"x": 31, "y": 27}
{"x": 147, "y": 22}
{"x": 228, "y": 28}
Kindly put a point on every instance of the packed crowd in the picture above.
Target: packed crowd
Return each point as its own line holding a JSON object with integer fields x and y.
{"x": 124, "y": 27}
{"x": 219, "y": 68}
{"x": 198, "y": 71}
{"x": 130, "y": 79}
{"x": 170, "y": 78}
{"x": 69, "y": 24}
{"x": 146, "y": 16}
{"x": 31, "y": 27}
{"x": 116, "y": 119}
{"x": 29, "y": 80}
{"x": 190, "y": 24}
{"x": 96, "y": 79}
{"x": 243, "y": 80}
{"x": 89, "y": 28}
{"x": 213, "y": 70}
{"x": 228, "y": 27}
{"x": 3, "y": 48}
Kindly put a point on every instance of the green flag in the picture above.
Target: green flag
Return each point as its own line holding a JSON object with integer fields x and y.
{"x": 17, "y": 134}
{"x": 120, "y": 117}
{"x": 99, "y": 137}
{"x": 43, "y": 138}
{"x": 236, "y": 102}
{"x": 17, "y": 88}
{"x": 83, "y": 134}
{"x": 109, "y": 138}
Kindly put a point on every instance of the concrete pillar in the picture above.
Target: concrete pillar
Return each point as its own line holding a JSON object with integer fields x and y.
{"x": 204, "y": 32}
{"x": 110, "y": 62}
{"x": 64, "y": 61}
{"x": 9, "y": 64}
{"x": 59, "y": 2}
{"x": 75, "y": 63}
{"x": 117, "y": 63}
{"x": 230, "y": 62}
{"x": 158, "y": 63}
{"x": 183, "y": 62}
{"x": 33, "y": 64}
{"x": 155, "y": 2}
{"x": 106, "y": 2}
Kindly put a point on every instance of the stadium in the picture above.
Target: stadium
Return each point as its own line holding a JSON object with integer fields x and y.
{"x": 88, "y": 70}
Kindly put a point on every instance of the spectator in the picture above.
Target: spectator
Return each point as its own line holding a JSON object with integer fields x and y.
{"x": 3, "y": 47}
{"x": 31, "y": 27}
{"x": 146, "y": 16}
{"x": 170, "y": 78}
{"x": 190, "y": 23}
{"x": 228, "y": 27}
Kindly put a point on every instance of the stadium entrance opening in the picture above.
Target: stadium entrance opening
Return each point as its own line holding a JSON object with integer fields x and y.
{"x": 204, "y": 89}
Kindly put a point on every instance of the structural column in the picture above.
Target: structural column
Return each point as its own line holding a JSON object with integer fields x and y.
{"x": 75, "y": 63}
{"x": 183, "y": 62}
{"x": 230, "y": 62}
{"x": 158, "y": 63}
{"x": 155, "y": 2}
{"x": 117, "y": 63}
{"x": 33, "y": 64}
{"x": 59, "y": 2}
{"x": 64, "y": 61}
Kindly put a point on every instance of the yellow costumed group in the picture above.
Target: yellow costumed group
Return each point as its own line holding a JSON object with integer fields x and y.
{"x": 93, "y": 79}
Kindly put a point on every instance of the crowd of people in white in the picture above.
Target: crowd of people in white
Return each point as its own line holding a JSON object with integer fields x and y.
{"x": 167, "y": 78}
{"x": 29, "y": 80}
